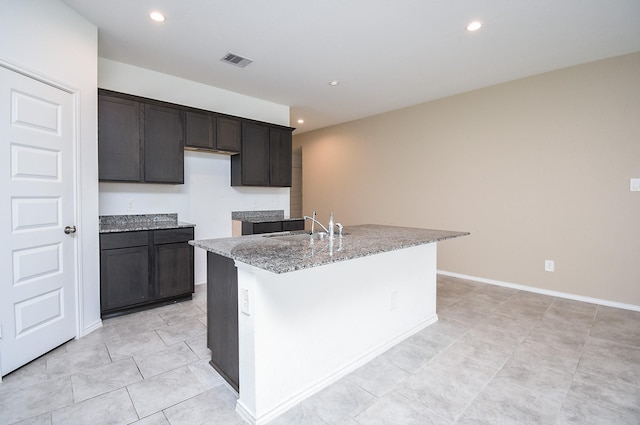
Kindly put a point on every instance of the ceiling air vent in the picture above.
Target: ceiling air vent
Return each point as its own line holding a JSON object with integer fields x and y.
{"x": 236, "y": 60}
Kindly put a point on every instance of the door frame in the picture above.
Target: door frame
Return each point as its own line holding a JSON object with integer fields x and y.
{"x": 77, "y": 182}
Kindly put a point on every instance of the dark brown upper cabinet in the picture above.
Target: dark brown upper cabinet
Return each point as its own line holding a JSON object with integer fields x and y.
{"x": 119, "y": 139}
{"x": 163, "y": 145}
{"x": 228, "y": 134}
{"x": 280, "y": 152}
{"x": 139, "y": 140}
{"x": 207, "y": 131}
{"x": 265, "y": 156}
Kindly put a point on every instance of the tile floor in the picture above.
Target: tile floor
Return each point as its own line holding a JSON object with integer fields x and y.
{"x": 497, "y": 356}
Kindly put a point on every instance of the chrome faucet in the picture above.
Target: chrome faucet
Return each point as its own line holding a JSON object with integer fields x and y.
{"x": 332, "y": 225}
{"x": 314, "y": 221}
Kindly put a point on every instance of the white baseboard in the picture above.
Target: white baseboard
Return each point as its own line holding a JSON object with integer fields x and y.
{"x": 558, "y": 294}
{"x": 86, "y": 331}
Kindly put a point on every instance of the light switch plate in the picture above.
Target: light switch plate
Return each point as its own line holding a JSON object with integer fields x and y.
{"x": 634, "y": 185}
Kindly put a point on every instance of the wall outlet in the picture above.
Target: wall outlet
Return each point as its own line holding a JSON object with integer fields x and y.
{"x": 245, "y": 303}
{"x": 394, "y": 300}
{"x": 549, "y": 265}
{"x": 131, "y": 205}
{"x": 634, "y": 185}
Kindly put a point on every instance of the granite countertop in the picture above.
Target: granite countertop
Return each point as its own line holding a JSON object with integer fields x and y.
{"x": 290, "y": 251}
{"x": 132, "y": 223}
{"x": 261, "y": 216}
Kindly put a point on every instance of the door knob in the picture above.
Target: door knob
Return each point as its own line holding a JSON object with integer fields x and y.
{"x": 70, "y": 229}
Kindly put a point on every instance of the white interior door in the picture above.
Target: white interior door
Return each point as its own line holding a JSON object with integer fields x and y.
{"x": 37, "y": 258}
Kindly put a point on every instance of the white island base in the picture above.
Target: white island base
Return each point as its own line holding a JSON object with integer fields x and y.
{"x": 301, "y": 331}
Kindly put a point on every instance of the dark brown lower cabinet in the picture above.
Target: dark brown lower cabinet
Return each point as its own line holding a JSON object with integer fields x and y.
{"x": 124, "y": 277}
{"x": 251, "y": 228}
{"x": 142, "y": 268}
{"x": 222, "y": 317}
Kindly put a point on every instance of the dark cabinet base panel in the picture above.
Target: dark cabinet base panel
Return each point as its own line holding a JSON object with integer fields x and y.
{"x": 147, "y": 306}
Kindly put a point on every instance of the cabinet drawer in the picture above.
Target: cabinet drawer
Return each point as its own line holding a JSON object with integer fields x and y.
{"x": 124, "y": 239}
{"x": 292, "y": 225}
{"x": 267, "y": 227}
{"x": 172, "y": 235}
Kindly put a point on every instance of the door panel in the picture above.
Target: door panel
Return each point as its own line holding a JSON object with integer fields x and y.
{"x": 37, "y": 260}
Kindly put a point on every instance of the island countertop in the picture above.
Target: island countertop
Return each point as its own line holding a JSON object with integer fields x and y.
{"x": 290, "y": 251}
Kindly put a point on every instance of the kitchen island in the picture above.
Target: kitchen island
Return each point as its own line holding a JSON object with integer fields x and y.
{"x": 306, "y": 311}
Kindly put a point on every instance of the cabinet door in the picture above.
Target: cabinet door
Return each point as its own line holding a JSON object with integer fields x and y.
{"x": 228, "y": 134}
{"x": 119, "y": 145}
{"x": 199, "y": 130}
{"x": 163, "y": 145}
{"x": 173, "y": 270}
{"x": 280, "y": 147}
{"x": 222, "y": 317}
{"x": 254, "y": 157}
{"x": 124, "y": 277}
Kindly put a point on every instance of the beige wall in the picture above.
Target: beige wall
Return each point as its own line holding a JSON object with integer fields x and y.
{"x": 536, "y": 169}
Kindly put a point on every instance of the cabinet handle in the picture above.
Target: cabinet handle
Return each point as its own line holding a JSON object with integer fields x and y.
{"x": 70, "y": 229}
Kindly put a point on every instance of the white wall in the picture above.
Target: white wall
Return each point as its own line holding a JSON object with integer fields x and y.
{"x": 206, "y": 198}
{"x": 49, "y": 40}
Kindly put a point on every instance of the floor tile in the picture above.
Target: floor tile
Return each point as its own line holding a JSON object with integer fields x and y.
{"x": 560, "y": 336}
{"x": 447, "y": 384}
{"x": 182, "y": 314}
{"x": 613, "y": 361}
{"x": 503, "y": 398}
{"x": 462, "y": 314}
{"x": 481, "y": 350}
{"x": 206, "y": 374}
{"x": 144, "y": 342}
{"x": 378, "y": 377}
{"x": 301, "y": 414}
{"x": 410, "y": 357}
{"x": 104, "y": 379}
{"x": 340, "y": 401}
{"x": 77, "y": 361}
{"x": 536, "y": 378}
{"x": 616, "y": 394}
{"x": 112, "y": 408}
{"x": 182, "y": 331}
{"x": 571, "y": 363}
{"x": 480, "y": 303}
{"x": 215, "y": 406}
{"x": 198, "y": 345}
{"x": 35, "y": 400}
{"x": 101, "y": 335}
{"x": 162, "y": 391}
{"x": 544, "y": 355}
{"x": 617, "y": 325}
{"x": 44, "y": 419}
{"x": 169, "y": 358}
{"x": 155, "y": 419}
{"x": 394, "y": 409}
{"x": 137, "y": 323}
{"x": 28, "y": 375}
{"x": 576, "y": 412}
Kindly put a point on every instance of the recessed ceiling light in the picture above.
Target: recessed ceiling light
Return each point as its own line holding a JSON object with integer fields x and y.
{"x": 474, "y": 26}
{"x": 300, "y": 121}
{"x": 157, "y": 16}
{"x": 334, "y": 83}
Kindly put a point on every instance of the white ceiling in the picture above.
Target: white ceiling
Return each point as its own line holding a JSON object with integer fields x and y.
{"x": 387, "y": 54}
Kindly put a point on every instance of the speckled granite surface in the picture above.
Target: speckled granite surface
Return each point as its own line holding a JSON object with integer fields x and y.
{"x": 261, "y": 216}
{"x": 279, "y": 254}
{"x": 132, "y": 223}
